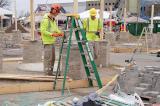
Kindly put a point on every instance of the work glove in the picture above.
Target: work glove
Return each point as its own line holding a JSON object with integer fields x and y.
{"x": 57, "y": 34}
{"x": 97, "y": 33}
{"x": 61, "y": 34}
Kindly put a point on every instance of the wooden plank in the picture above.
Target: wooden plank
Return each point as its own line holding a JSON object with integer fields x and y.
{"x": 12, "y": 59}
{"x": 127, "y": 50}
{"x": 45, "y": 86}
{"x": 28, "y": 77}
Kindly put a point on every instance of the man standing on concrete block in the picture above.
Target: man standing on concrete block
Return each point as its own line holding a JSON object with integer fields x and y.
{"x": 93, "y": 26}
{"x": 49, "y": 32}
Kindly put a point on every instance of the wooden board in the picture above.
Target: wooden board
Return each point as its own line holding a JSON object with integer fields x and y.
{"x": 127, "y": 50}
{"x": 18, "y": 87}
{"x": 29, "y": 77}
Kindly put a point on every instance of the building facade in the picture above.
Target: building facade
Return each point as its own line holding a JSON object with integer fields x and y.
{"x": 146, "y": 7}
{"x": 96, "y": 4}
{"x": 131, "y": 5}
{"x": 67, "y": 6}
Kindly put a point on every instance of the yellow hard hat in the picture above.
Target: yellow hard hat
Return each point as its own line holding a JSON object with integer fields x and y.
{"x": 93, "y": 12}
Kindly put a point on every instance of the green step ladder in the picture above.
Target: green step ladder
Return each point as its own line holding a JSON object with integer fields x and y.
{"x": 77, "y": 27}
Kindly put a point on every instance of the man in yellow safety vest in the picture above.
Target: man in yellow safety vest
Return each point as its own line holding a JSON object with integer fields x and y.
{"x": 49, "y": 32}
{"x": 92, "y": 26}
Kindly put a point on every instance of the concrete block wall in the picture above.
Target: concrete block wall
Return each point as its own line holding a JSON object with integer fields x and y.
{"x": 129, "y": 80}
{"x": 102, "y": 51}
{"x": 111, "y": 37}
{"x": 124, "y": 37}
{"x": 156, "y": 40}
{"x": 32, "y": 51}
{"x": 16, "y": 37}
{"x": 144, "y": 82}
{"x": 150, "y": 82}
{"x": 76, "y": 68}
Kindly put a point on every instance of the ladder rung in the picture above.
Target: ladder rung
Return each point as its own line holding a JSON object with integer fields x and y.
{"x": 64, "y": 55}
{"x": 89, "y": 66}
{"x": 84, "y": 53}
{"x": 82, "y": 41}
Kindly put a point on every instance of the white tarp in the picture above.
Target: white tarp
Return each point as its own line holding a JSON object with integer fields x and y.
{"x": 85, "y": 14}
{"x": 5, "y": 12}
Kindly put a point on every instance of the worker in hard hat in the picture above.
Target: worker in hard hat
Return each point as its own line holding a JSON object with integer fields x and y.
{"x": 93, "y": 26}
{"x": 49, "y": 32}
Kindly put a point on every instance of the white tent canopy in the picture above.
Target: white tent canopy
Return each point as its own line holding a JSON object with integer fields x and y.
{"x": 5, "y": 12}
{"x": 85, "y": 14}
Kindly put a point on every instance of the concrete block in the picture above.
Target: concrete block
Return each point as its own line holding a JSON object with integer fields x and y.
{"x": 158, "y": 99}
{"x": 157, "y": 85}
{"x": 111, "y": 37}
{"x": 140, "y": 90}
{"x": 151, "y": 93}
{"x": 76, "y": 68}
{"x": 32, "y": 51}
{"x": 156, "y": 68}
{"x": 148, "y": 78}
{"x": 16, "y": 37}
{"x": 129, "y": 81}
{"x": 156, "y": 40}
{"x": 124, "y": 36}
{"x": 145, "y": 85}
{"x": 102, "y": 52}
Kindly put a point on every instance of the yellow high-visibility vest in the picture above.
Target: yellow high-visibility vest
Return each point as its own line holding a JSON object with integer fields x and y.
{"x": 91, "y": 27}
{"x": 48, "y": 27}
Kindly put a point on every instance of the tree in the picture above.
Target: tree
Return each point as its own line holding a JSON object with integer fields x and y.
{"x": 4, "y": 3}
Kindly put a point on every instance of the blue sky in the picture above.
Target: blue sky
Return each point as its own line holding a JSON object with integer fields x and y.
{"x": 23, "y": 5}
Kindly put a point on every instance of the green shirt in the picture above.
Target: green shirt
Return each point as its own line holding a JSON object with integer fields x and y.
{"x": 48, "y": 27}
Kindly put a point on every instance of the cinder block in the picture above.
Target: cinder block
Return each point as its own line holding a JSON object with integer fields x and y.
{"x": 151, "y": 93}
{"x": 140, "y": 90}
{"x": 158, "y": 99}
{"x": 145, "y": 85}
{"x": 156, "y": 68}
{"x": 32, "y": 51}
{"x": 111, "y": 38}
{"x": 157, "y": 86}
{"x": 124, "y": 36}
{"x": 76, "y": 68}
{"x": 102, "y": 52}
{"x": 148, "y": 78}
{"x": 16, "y": 37}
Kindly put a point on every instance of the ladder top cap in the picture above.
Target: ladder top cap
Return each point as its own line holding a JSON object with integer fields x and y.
{"x": 73, "y": 15}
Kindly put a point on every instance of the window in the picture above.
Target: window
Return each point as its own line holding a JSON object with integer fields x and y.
{"x": 105, "y": 9}
{"x": 112, "y": 3}
{"x": 96, "y": 4}
{"x": 88, "y": 4}
{"x": 144, "y": 8}
{"x": 92, "y": 4}
{"x": 109, "y": 3}
{"x": 105, "y": 3}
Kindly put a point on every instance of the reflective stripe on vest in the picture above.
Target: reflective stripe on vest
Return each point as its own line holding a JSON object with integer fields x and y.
{"x": 88, "y": 25}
